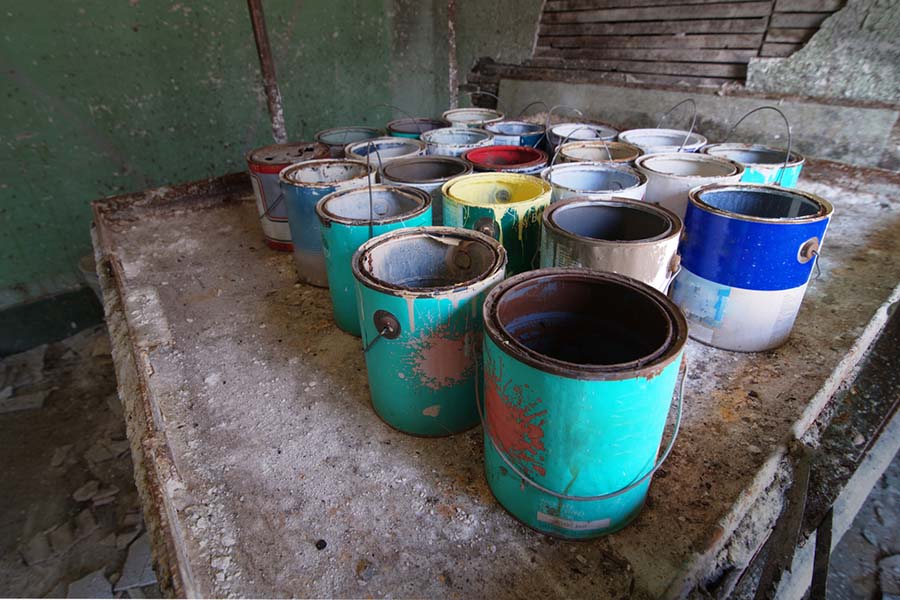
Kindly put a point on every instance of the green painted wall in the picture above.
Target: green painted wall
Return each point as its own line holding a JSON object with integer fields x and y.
{"x": 103, "y": 97}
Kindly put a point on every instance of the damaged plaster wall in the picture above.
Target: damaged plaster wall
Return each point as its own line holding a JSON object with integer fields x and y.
{"x": 855, "y": 55}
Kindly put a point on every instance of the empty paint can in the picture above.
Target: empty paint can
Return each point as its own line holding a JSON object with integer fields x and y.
{"x": 507, "y": 159}
{"x": 746, "y": 257}
{"x": 672, "y": 175}
{"x": 414, "y": 127}
{"x": 264, "y": 164}
{"x": 454, "y": 141}
{"x": 351, "y": 217}
{"x": 516, "y": 133}
{"x": 579, "y": 132}
{"x": 384, "y": 150}
{"x": 505, "y": 206}
{"x": 472, "y": 117}
{"x": 655, "y": 141}
{"x": 427, "y": 173}
{"x": 628, "y": 237}
{"x": 599, "y": 151}
{"x": 303, "y": 185}
{"x": 600, "y": 181}
{"x": 762, "y": 164}
{"x": 337, "y": 138}
{"x": 420, "y": 294}
{"x": 579, "y": 373}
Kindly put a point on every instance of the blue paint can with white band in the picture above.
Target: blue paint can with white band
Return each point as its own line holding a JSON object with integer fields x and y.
{"x": 747, "y": 255}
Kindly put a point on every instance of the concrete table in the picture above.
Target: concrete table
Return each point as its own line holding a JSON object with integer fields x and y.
{"x": 265, "y": 472}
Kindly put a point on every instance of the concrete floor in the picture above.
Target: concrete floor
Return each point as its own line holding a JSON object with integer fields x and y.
{"x": 61, "y": 429}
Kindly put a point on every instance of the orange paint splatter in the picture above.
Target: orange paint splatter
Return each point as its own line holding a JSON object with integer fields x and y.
{"x": 442, "y": 359}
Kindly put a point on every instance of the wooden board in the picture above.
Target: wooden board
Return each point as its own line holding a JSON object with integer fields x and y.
{"x": 725, "y": 70}
{"x": 750, "y": 41}
{"x": 691, "y": 26}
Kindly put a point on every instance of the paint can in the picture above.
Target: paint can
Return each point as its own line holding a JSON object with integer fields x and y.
{"x": 762, "y": 164}
{"x": 384, "y": 150}
{"x": 264, "y": 164}
{"x": 351, "y": 217}
{"x": 657, "y": 141}
{"x": 628, "y": 237}
{"x": 472, "y": 117}
{"x": 454, "y": 141}
{"x": 600, "y": 181}
{"x": 672, "y": 175}
{"x": 505, "y": 206}
{"x": 414, "y": 127}
{"x": 507, "y": 159}
{"x": 600, "y": 151}
{"x": 746, "y": 258}
{"x": 338, "y": 137}
{"x": 579, "y": 132}
{"x": 580, "y": 369}
{"x": 516, "y": 133}
{"x": 303, "y": 185}
{"x": 420, "y": 294}
{"x": 428, "y": 173}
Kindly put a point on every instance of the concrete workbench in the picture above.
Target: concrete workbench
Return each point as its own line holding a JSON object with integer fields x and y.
{"x": 253, "y": 437}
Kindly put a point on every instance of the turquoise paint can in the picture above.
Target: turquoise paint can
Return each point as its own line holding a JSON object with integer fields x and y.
{"x": 420, "y": 293}
{"x": 762, "y": 164}
{"x": 579, "y": 373}
{"x": 303, "y": 185}
{"x": 349, "y": 218}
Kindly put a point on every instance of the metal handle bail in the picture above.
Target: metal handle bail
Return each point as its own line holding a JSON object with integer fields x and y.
{"x": 787, "y": 155}
{"x": 693, "y": 119}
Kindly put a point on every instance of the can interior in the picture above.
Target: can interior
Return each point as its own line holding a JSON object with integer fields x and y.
{"x": 593, "y": 180}
{"x": 611, "y": 223}
{"x": 343, "y": 137}
{"x": 515, "y": 128}
{"x": 386, "y": 204}
{"x": 494, "y": 190}
{"x": 424, "y": 170}
{"x": 599, "y": 153}
{"x": 471, "y": 115}
{"x": 761, "y": 203}
{"x": 428, "y": 261}
{"x": 325, "y": 172}
{"x": 583, "y": 131}
{"x": 385, "y": 149}
{"x": 416, "y": 125}
{"x": 753, "y": 156}
{"x": 504, "y": 155}
{"x": 691, "y": 165}
{"x": 657, "y": 140}
{"x": 455, "y": 137}
{"x": 591, "y": 322}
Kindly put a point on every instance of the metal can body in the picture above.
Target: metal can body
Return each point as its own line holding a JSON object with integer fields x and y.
{"x": 506, "y": 206}
{"x": 454, "y": 141}
{"x": 346, "y": 224}
{"x": 627, "y": 237}
{"x": 580, "y": 369}
{"x": 762, "y": 164}
{"x": 507, "y": 159}
{"x": 384, "y": 150}
{"x": 420, "y": 294}
{"x": 472, "y": 117}
{"x": 598, "y": 151}
{"x": 264, "y": 164}
{"x": 516, "y": 133}
{"x": 656, "y": 141}
{"x": 303, "y": 185}
{"x": 427, "y": 173}
{"x": 672, "y": 175}
{"x": 747, "y": 256}
{"x": 413, "y": 128}
{"x": 601, "y": 181}
{"x": 337, "y": 138}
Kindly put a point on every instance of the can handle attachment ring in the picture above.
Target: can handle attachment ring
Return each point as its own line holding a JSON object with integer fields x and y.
{"x": 659, "y": 463}
{"x": 386, "y": 324}
{"x": 787, "y": 124}
{"x": 488, "y": 227}
{"x": 693, "y": 120}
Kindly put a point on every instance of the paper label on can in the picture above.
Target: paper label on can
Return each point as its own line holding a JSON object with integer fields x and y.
{"x": 573, "y": 525}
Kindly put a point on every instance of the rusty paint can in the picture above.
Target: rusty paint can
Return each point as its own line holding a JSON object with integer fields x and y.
{"x": 747, "y": 256}
{"x": 337, "y": 138}
{"x": 351, "y": 217}
{"x": 657, "y": 141}
{"x": 427, "y": 173}
{"x": 413, "y": 128}
{"x": 507, "y": 159}
{"x": 601, "y": 181}
{"x": 672, "y": 175}
{"x": 303, "y": 185}
{"x": 472, "y": 117}
{"x": 516, "y": 133}
{"x": 420, "y": 295}
{"x": 384, "y": 150}
{"x": 628, "y": 237}
{"x": 599, "y": 151}
{"x": 762, "y": 164}
{"x": 455, "y": 141}
{"x": 506, "y": 206}
{"x": 579, "y": 373}
{"x": 264, "y": 164}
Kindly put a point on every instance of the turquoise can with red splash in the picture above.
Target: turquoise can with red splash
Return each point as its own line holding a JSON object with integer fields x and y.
{"x": 579, "y": 373}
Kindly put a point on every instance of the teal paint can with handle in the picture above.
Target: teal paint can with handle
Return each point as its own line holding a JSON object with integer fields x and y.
{"x": 420, "y": 293}
{"x": 579, "y": 373}
{"x": 349, "y": 218}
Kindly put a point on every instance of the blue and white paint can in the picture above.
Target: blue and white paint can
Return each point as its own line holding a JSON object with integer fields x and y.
{"x": 746, "y": 257}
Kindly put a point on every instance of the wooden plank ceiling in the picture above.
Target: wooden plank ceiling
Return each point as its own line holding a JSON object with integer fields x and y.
{"x": 697, "y": 42}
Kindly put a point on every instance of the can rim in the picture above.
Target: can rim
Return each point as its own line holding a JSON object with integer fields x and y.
{"x": 690, "y": 157}
{"x": 282, "y": 175}
{"x": 675, "y": 225}
{"x": 648, "y": 367}
{"x": 495, "y": 115}
{"x": 600, "y": 144}
{"x": 423, "y": 203}
{"x": 467, "y": 168}
{"x": 547, "y": 173}
{"x": 333, "y": 130}
{"x": 488, "y": 136}
{"x": 536, "y": 156}
{"x": 711, "y": 150}
{"x": 532, "y": 127}
{"x": 350, "y": 150}
{"x": 825, "y": 207}
{"x": 253, "y": 160}
{"x": 396, "y": 124}
{"x": 501, "y": 175}
{"x": 606, "y": 129}
{"x": 700, "y": 140}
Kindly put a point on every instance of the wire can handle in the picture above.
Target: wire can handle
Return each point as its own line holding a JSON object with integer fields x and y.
{"x": 787, "y": 124}
{"x": 529, "y": 105}
{"x": 566, "y": 141}
{"x": 693, "y": 120}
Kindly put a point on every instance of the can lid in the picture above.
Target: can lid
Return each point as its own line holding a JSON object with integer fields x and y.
{"x": 287, "y": 154}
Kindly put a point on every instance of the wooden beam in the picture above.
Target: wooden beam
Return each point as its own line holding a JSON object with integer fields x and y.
{"x": 750, "y": 25}
{"x": 798, "y": 20}
{"x": 686, "y": 55}
{"x": 673, "y": 12}
{"x": 793, "y": 36}
{"x": 725, "y": 70}
{"x": 799, "y": 6}
{"x": 567, "y": 5}
{"x": 750, "y": 40}
{"x": 578, "y": 76}
{"x": 779, "y": 49}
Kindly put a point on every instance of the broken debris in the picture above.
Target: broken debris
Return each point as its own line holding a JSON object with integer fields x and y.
{"x": 94, "y": 585}
{"x": 138, "y": 569}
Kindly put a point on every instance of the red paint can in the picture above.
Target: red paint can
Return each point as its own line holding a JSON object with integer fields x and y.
{"x": 507, "y": 159}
